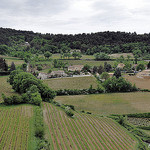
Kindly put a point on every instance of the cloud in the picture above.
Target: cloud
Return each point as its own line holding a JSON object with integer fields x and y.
{"x": 75, "y": 16}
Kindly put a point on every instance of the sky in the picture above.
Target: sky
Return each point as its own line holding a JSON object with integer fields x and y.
{"x": 76, "y": 16}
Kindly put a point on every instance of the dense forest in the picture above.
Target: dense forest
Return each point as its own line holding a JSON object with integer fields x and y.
{"x": 109, "y": 42}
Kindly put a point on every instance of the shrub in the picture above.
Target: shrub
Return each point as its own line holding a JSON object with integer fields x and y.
{"x": 101, "y": 56}
{"x": 118, "y": 85}
{"x": 39, "y": 124}
{"x": 140, "y": 67}
{"x": 12, "y": 99}
{"x": 32, "y": 96}
{"x": 39, "y": 68}
{"x": 69, "y": 111}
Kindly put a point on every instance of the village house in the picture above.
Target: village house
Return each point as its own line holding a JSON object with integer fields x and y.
{"x": 59, "y": 73}
{"x": 75, "y": 68}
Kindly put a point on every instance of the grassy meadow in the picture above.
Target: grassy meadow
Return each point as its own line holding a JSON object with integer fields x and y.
{"x": 9, "y": 60}
{"x": 88, "y": 62}
{"x": 139, "y": 82}
{"x": 117, "y": 55}
{"x": 115, "y": 103}
{"x": 71, "y": 83}
{"x": 5, "y": 87}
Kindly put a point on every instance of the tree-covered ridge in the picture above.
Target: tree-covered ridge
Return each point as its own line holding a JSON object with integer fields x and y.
{"x": 90, "y": 43}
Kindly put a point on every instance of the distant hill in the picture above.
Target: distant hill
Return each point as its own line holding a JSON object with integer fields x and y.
{"x": 78, "y": 41}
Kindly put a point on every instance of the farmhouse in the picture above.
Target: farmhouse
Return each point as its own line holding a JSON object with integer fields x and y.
{"x": 59, "y": 73}
{"x": 75, "y": 68}
{"x": 121, "y": 66}
{"x": 42, "y": 76}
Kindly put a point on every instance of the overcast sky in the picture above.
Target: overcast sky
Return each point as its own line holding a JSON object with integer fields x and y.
{"x": 76, "y": 16}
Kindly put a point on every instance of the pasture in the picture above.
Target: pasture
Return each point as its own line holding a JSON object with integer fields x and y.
{"x": 58, "y": 56}
{"x": 117, "y": 55}
{"x": 71, "y": 82}
{"x": 105, "y": 104}
{"x": 5, "y": 87}
{"x": 88, "y": 62}
{"x": 9, "y": 60}
{"x": 84, "y": 131}
{"x": 16, "y": 128}
{"x": 139, "y": 82}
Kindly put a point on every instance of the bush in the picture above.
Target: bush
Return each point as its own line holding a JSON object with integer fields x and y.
{"x": 101, "y": 56}
{"x": 39, "y": 68}
{"x": 69, "y": 111}
{"x": 39, "y": 124}
{"x": 118, "y": 85}
{"x": 12, "y": 99}
{"x": 32, "y": 96}
{"x": 140, "y": 67}
{"x": 79, "y": 92}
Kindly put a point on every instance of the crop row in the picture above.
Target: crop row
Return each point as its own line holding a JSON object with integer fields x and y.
{"x": 14, "y": 128}
{"x": 84, "y": 131}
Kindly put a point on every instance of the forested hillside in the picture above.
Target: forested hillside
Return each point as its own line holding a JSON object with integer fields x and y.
{"x": 108, "y": 42}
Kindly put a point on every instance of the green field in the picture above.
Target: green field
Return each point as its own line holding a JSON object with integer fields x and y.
{"x": 9, "y": 60}
{"x": 16, "y": 127}
{"x": 5, "y": 87}
{"x": 139, "y": 82}
{"x": 85, "y": 131}
{"x": 117, "y": 103}
{"x": 57, "y": 56}
{"x": 88, "y": 62}
{"x": 71, "y": 83}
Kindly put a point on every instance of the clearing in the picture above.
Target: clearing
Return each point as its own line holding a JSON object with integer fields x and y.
{"x": 71, "y": 82}
{"x": 139, "y": 82}
{"x": 5, "y": 87}
{"x": 114, "y": 103}
{"x": 16, "y": 60}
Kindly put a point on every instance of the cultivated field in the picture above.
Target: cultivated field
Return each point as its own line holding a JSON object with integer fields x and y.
{"x": 88, "y": 62}
{"x": 5, "y": 87}
{"x": 71, "y": 83}
{"x": 57, "y": 56}
{"x": 16, "y": 128}
{"x": 115, "y": 103}
{"x": 139, "y": 82}
{"x": 117, "y": 55}
{"x": 85, "y": 131}
{"x": 9, "y": 60}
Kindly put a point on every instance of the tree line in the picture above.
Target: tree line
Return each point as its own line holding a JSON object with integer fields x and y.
{"x": 13, "y": 41}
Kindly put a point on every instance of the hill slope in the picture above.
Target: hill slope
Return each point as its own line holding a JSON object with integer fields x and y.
{"x": 85, "y": 131}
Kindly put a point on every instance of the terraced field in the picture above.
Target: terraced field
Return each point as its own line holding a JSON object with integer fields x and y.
{"x": 85, "y": 131}
{"x": 15, "y": 128}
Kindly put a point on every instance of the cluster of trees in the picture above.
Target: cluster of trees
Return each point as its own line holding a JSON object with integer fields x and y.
{"x": 118, "y": 85}
{"x": 101, "y": 56}
{"x": 32, "y": 90}
{"x": 108, "y": 42}
{"x": 4, "y": 69}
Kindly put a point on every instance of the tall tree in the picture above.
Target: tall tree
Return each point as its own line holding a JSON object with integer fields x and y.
{"x": 117, "y": 73}
{"x": 3, "y": 65}
{"x": 12, "y": 67}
